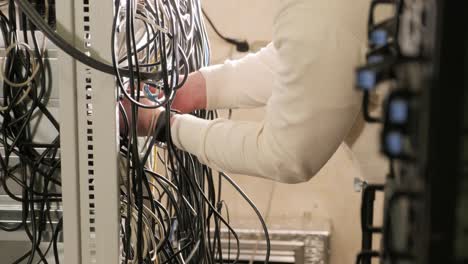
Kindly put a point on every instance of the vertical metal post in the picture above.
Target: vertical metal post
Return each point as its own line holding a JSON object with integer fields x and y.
{"x": 68, "y": 136}
{"x": 89, "y": 136}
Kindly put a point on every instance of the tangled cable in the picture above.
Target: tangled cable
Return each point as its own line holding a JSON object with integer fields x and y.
{"x": 166, "y": 192}
{"x": 171, "y": 209}
{"x": 27, "y": 164}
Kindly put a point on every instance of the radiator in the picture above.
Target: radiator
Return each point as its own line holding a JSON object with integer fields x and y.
{"x": 287, "y": 246}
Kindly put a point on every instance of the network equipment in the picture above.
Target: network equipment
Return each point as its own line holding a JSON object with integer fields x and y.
{"x": 419, "y": 55}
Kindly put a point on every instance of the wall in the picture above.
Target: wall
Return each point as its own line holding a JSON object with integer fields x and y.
{"x": 328, "y": 200}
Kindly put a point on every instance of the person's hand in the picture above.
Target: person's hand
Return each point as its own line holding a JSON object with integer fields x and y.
{"x": 146, "y": 117}
{"x": 192, "y": 95}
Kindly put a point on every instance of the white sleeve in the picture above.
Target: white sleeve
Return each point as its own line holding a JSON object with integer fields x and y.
{"x": 312, "y": 107}
{"x": 236, "y": 83}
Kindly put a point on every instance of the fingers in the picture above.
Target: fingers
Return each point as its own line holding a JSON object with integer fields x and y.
{"x": 191, "y": 96}
{"x": 145, "y": 116}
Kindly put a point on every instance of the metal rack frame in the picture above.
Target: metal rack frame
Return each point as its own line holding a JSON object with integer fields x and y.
{"x": 88, "y": 107}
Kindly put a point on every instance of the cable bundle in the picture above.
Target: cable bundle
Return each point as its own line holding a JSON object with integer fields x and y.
{"x": 175, "y": 216}
{"x": 170, "y": 215}
{"x": 26, "y": 164}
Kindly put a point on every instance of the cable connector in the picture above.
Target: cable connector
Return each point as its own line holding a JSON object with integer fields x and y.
{"x": 242, "y": 46}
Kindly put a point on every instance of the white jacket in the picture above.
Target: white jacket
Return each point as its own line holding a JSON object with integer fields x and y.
{"x": 304, "y": 78}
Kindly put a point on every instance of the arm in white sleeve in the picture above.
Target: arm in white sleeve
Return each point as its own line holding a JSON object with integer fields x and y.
{"x": 236, "y": 83}
{"x": 312, "y": 107}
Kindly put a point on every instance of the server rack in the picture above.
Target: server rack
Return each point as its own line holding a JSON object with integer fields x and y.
{"x": 85, "y": 101}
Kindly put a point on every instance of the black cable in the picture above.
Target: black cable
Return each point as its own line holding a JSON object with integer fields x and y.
{"x": 37, "y": 20}
{"x": 35, "y": 170}
{"x": 189, "y": 191}
{"x": 58, "y": 229}
{"x": 257, "y": 212}
{"x": 241, "y": 45}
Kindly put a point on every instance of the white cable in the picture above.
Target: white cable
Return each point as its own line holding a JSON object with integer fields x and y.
{"x": 148, "y": 236}
{"x": 44, "y": 39}
{"x": 267, "y": 218}
{"x": 21, "y": 99}
{"x": 156, "y": 27}
{"x": 34, "y": 67}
